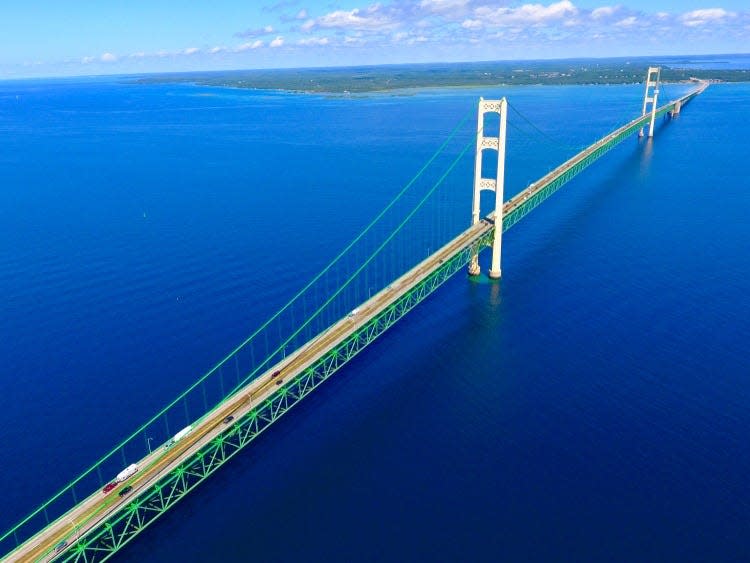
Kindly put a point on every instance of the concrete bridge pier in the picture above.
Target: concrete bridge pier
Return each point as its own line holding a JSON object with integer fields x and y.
{"x": 677, "y": 108}
{"x": 474, "y": 269}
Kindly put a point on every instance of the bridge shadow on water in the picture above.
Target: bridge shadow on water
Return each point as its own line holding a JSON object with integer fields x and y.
{"x": 555, "y": 223}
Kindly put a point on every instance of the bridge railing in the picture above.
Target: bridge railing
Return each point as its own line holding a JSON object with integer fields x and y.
{"x": 528, "y": 199}
{"x": 420, "y": 218}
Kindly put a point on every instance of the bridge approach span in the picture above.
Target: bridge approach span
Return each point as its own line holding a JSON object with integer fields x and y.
{"x": 100, "y": 525}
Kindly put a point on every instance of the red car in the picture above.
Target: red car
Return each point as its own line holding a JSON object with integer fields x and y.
{"x": 275, "y": 374}
{"x": 108, "y": 487}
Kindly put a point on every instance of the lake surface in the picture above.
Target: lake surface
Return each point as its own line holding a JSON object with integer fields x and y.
{"x": 715, "y": 62}
{"x": 593, "y": 406}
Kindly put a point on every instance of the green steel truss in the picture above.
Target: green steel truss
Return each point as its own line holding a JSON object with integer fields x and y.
{"x": 560, "y": 180}
{"x": 100, "y": 543}
{"x": 120, "y": 528}
{"x": 557, "y": 182}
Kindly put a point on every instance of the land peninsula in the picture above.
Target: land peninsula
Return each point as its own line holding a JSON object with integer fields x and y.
{"x": 364, "y": 79}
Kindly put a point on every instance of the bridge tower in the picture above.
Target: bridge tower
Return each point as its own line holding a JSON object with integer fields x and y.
{"x": 495, "y": 184}
{"x": 656, "y": 72}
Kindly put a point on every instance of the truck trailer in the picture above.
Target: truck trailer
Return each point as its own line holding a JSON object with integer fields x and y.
{"x": 129, "y": 471}
{"x": 179, "y": 436}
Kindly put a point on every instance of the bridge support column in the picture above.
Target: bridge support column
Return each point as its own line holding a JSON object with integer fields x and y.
{"x": 655, "y": 72}
{"x": 677, "y": 107}
{"x": 495, "y": 184}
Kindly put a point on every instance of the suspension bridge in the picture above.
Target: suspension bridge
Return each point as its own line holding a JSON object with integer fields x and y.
{"x": 326, "y": 324}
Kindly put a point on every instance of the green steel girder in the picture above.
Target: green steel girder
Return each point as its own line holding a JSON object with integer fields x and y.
{"x": 102, "y": 542}
{"x": 121, "y": 527}
{"x": 534, "y": 200}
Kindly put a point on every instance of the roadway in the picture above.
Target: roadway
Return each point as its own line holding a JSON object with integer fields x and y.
{"x": 518, "y": 199}
{"x": 94, "y": 510}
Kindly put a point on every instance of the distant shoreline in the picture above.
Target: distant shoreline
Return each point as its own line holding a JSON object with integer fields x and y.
{"x": 414, "y": 90}
{"x": 354, "y": 81}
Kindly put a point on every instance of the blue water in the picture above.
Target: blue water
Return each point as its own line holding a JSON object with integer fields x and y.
{"x": 593, "y": 406}
{"x": 738, "y": 61}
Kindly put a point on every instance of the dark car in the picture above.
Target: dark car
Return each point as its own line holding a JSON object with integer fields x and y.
{"x": 125, "y": 490}
{"x": 60, "y": 546}
{"x": 279, "y": 381}
{"x": 228, "y": 419}
{"x": 108, "y": 487}
{"x": 276, "y": 373}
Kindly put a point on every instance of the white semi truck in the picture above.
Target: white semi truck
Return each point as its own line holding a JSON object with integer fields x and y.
{"x": 129, "y": 471}
{"x": 179, "y": 436}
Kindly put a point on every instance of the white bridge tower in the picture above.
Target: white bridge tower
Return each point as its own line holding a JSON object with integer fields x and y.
{"x": 654, "y": 71}
{"x": 495, "y": 184}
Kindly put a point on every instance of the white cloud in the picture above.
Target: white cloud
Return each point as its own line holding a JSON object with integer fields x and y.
{"x": 248, "y": 46}
{"x": 314, "y": 41}
{"x": 520, "y": 28}
{"x": 257, "y": 32}
{"x": 441, "y": 6}
{"x": 627, "y": 22}
{"x": 707, "y": 15}
{"x": 372, "y": 18}
{"x": 603, "y": 12}
{"x": 471, "y": 24}
{"x": 526, "y": 14}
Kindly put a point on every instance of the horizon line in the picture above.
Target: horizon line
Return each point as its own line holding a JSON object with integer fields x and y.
{"x": 368, "y": 65}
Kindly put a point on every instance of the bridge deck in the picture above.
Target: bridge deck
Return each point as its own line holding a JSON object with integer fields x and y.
{"x": 523, "y": 202}
{"x": 93, "y": 511}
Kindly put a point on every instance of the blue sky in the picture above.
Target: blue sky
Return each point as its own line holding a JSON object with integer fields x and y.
{"x": 58, "y": 38}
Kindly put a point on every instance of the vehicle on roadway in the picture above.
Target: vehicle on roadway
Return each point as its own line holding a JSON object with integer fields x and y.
{"x": 179, "y": 436}
{"x": 109, "y": 486}
{"x": 276, "y": 373}
{"x": 129, "y": 471}
{"x": 228, "y": 419}
{"x": 353, "y": 313}
{"x": 125, "y": 490}
{"x": 60, "y": 546}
